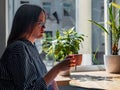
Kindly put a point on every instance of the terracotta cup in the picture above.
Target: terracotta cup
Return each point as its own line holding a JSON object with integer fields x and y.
{"x": 78, "y": 58}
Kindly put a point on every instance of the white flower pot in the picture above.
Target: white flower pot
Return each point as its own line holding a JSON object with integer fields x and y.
{"x": 112, "y": 63}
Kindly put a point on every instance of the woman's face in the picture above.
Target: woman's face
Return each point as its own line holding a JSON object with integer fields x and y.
{"x": 38, "y": 30}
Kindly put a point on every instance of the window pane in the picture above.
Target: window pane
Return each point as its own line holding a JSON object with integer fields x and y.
{"x": 47, "y": 8}
{"x": 98, "y": 44}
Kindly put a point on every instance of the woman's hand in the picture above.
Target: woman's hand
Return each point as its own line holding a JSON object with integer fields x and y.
{"x": 67, "y": 63}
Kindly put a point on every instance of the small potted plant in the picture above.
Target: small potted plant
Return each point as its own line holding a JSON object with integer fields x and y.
{"x": 112, "y": 62}
{"x": 65, "y": 43}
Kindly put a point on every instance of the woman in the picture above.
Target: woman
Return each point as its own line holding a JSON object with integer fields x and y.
{"x": 21, "y": 66}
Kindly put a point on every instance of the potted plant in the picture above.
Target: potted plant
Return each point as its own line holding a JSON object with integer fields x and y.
{"x": 112, "y": 62}
{"x": 65, "y": 43}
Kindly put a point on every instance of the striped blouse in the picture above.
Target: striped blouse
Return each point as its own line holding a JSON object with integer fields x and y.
{"x": 22, "y": 68}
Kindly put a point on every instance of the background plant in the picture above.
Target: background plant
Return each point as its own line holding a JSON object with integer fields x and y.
{"x": 114, "y": 26}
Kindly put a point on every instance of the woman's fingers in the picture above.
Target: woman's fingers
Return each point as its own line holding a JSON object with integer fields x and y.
{"x": 67, "y": 63}
{"x": 71, "y": 62}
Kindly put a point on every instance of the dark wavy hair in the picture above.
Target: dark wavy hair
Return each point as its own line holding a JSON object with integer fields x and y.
{"x": 23, "y": 22}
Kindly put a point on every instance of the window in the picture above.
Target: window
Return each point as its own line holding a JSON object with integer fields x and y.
{"x": 94, "y": 46}
{"x": 47, "y": 7}
{"x": 98, "y": 43}
{"x": 66, "y": 9}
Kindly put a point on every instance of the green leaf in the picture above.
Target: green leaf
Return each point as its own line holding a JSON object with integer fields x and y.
{"x": 115, "y": 5}
{"x": 99, "y": 25}
{"x": 57, "y": 34}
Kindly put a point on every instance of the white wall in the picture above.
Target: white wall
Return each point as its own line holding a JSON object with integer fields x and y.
{"x": 83, "y": 14}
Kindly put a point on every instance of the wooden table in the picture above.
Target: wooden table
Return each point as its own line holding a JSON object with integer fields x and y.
{"x": 95, "y": 80}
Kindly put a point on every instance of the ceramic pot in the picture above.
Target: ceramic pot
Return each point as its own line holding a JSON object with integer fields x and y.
{"x": 112, "y": 63}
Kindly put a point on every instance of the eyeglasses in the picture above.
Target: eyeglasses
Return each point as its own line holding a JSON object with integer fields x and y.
{"x": 42, "y": 24}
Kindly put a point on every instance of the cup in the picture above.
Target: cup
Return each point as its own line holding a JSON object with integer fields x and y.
{"x": 78, "y": 59}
